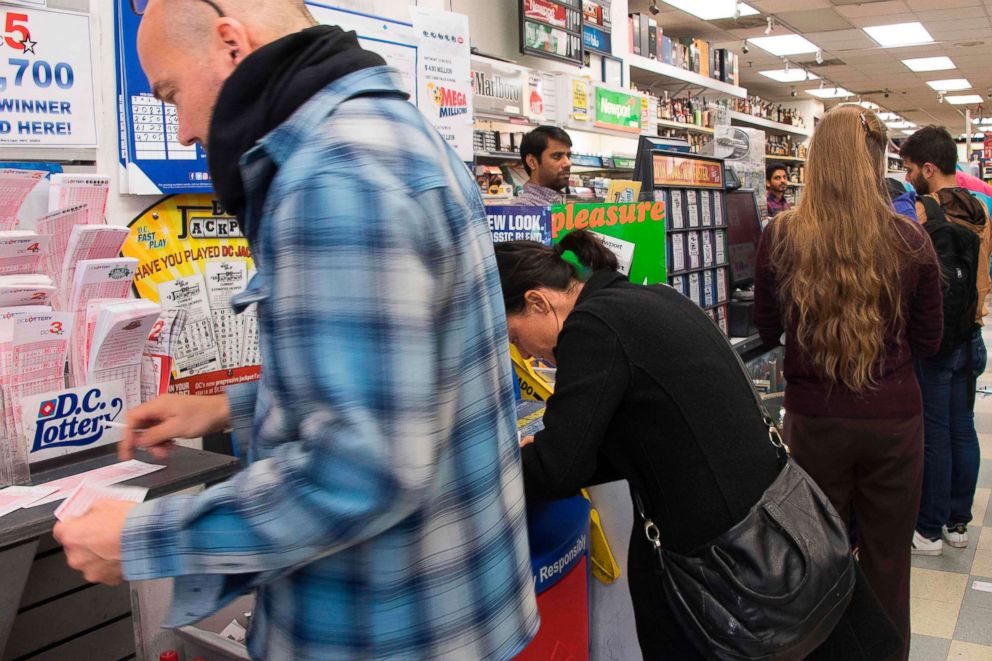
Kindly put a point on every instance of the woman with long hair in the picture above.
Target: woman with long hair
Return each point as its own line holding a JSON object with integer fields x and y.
{"x": 855, "y": 288}
{"x": 648, "y": 390}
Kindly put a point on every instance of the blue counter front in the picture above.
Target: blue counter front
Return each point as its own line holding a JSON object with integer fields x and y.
{"x": 559, "y": 548}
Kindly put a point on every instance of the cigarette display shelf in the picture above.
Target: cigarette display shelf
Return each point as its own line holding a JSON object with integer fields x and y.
{"x": 693, "y": 128}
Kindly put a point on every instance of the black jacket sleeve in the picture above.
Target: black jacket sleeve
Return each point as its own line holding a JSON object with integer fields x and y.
{"x": 592, "y": 378}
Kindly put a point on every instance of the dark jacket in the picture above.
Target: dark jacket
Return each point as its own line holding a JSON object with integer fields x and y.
{"x": 897, "y": 394}
{"x": 648, "y": 390}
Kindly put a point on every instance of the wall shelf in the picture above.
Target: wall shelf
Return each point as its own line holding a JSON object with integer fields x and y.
{"x": 768, "y": 125}
{"x": 692, "y": 128}
{"x": 644, "y": 68}
{"x": 785, "y": 159}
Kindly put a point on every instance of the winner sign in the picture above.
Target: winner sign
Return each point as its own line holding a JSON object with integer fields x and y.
{"x": 66, "y": 421}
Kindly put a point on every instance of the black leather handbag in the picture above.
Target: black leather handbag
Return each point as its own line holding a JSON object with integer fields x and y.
{"x": 775, "y": 585}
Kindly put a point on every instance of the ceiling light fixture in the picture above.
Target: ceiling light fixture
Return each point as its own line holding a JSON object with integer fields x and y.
{"x": 900, "y": 34}
{"x": 712, "y": 9}
{"x": 792, "y": 75}
{"x": 889, "y": 116}
{"x": 869, "y": 105}
{"x": 770, "y": 26}
{"x": 920, "y": 64}
{"x": 784, "y": 44}
{"x": 819, "y": 57}
{"x": 949, "y": 85}
{"x": 964, "y": 99}
{"x": 830, "y": 93}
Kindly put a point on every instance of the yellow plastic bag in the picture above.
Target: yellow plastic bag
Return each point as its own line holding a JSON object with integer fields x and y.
{"x": 604, "y": 565}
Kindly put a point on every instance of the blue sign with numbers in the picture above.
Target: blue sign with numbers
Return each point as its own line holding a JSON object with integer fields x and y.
{"x": 154, "y": 160}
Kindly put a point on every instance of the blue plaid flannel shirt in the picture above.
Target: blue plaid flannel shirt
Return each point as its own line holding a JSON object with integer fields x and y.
{"x": 381, "y": 514}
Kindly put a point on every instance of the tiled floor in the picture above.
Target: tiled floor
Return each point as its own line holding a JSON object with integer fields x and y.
{"x": 952, "y": 619}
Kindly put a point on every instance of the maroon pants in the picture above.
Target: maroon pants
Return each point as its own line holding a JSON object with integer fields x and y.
{"x": 876, "y": 467}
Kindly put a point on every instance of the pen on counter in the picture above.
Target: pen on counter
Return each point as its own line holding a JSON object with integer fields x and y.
{"x": 115, "y": 425}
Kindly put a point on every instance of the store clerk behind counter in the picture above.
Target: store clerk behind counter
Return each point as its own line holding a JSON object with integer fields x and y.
{"x": 647, "y": 390}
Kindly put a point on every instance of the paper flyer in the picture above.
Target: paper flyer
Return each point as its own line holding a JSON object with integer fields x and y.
{"x": 15, "y": 185}
{"x": 88, "y": 242}
{"x": 224, "y": 280}
{"x": 196, "y": 350}
{"x": 37, "y": 358}
{"x": 157, "y": 358}
{"x": 91, "y": 190}
{"x": 15, "y": 498}
{"x": 21, "y": 252}
{"x": 705, "y": 211}
{"x": 118, "y": 342}
{"x": 693, "y": 208}
{"x": 58, "y": 225}
{"x": 677, "y": 215}
{"x": 107, "y": 475}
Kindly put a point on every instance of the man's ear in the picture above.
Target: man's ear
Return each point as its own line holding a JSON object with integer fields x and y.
{"x": 234, "y": 38}
{"x": 532, "y": 162}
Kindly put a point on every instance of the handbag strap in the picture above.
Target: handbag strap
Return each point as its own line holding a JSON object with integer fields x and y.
{"x": 774, "y": 436}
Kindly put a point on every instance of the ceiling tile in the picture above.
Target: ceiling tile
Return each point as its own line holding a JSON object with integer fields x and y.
{"x": 815, "y": 20}
{"x": 873, "y": 8}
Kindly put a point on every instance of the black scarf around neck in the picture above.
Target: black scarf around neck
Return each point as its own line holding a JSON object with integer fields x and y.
{"x": 266, "y": 88}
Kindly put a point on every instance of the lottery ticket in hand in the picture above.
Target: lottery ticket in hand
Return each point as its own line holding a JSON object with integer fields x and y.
{"x": 82, "y": 498}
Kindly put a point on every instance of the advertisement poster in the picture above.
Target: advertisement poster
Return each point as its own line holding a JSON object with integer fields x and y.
{"x": 542, "y": 99}
{"x": 635, "y": 233}
{"x": 596, "y": 26}
{"x": 519, "y": 223}
{"x": 617, "y": 110}
{"x": 395, "y": 41}
{"x": 682, "y": 171}
{"x": 46, "y": 79}
{"x": 192, "y": 256}
{"x": 445, "y": 76}
{"x": 552, "y": 30}
{"x": 152, "y": 160}
{"x": 498, "y": 87}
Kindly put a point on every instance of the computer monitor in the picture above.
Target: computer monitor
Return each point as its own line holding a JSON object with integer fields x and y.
{"x": 642, "y": 160}
{"x": 743, "y": 234}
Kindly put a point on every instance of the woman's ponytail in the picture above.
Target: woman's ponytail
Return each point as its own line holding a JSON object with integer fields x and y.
{"x": 589, "y": 250}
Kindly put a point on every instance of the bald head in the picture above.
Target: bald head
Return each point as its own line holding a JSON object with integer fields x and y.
{"x": 188, "y": 49}
{"x": 190, "y": 21}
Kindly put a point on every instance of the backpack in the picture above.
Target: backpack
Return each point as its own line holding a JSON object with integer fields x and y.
{"x": 957, "y": 250}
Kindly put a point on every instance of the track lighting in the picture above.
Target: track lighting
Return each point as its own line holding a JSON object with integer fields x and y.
{"x": 744, "y": 48}
{"x": 786, "y": 66}
{"x": 653, "y": 7}
{"x": 793, "y": 93}
{"x": 819, "y": 57}
{"x": 771, "y": 25}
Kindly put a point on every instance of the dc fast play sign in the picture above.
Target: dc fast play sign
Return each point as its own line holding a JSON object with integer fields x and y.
{"x": 66, "y": 421}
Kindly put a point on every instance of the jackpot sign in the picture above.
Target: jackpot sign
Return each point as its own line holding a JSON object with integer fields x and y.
{"x": 65, "y": 421}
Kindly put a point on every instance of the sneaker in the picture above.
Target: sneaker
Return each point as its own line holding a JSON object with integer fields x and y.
{"x": 956, "y": 535}
{"x": 924, "y": 546}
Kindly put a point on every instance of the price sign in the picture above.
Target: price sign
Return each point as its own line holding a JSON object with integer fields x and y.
{"x": 46, "y": 79}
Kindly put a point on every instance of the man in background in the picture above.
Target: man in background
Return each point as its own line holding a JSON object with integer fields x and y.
{"x": 546, "y": 154}
{"x": 776, "y": 183}
{"x": 948, "y": 380}
{"x": 382, "y": 512}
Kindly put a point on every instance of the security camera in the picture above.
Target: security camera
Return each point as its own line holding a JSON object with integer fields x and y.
{"x": 989, "y": 93}
{"x": 653, "y": 8}
{"x": 886, "y": 94}
{"x": 745, "y": 50}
